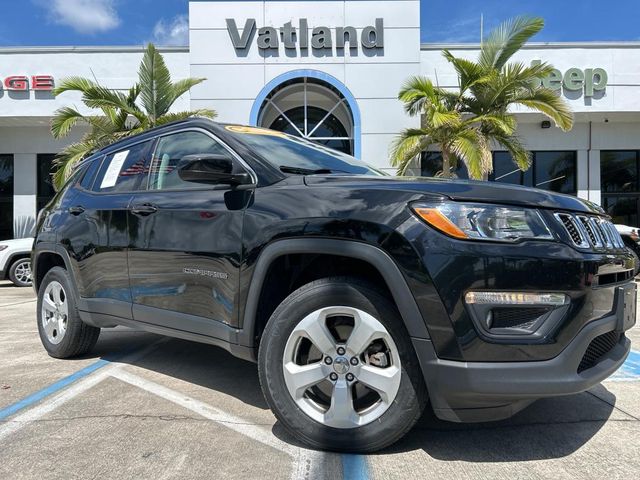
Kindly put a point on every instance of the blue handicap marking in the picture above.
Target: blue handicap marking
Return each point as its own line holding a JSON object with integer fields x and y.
{"x": 630, "y": 370}
{"x": 354, "y": 467}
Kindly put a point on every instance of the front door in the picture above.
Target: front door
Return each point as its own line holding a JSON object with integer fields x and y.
{"x": 185, "y": 242}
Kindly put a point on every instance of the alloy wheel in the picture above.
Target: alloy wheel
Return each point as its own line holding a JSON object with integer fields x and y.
{"x": 55, "y": 312}
{"x": 341, "y": 367}
{"x": 22, "y": 272}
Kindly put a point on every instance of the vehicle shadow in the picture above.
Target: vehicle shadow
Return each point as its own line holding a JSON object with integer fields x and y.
{"x": 548, "y": 429}
{"x": 204, "y": 365}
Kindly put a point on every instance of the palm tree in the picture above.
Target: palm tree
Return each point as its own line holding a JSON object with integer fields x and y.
{"x": 465, "y": 124}
{"x": 143, "y": 106}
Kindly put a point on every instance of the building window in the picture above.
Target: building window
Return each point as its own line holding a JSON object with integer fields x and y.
{"x": 45, "y": 183}
{"x": 6, "y": 197}
{"x": 553, "y": 171}
{"x": 431, "y": 166}
{"x": 620, "y": 185}
{"x": 312, "y": 109}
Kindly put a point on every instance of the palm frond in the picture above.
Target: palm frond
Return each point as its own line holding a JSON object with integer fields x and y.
{"x": 406, "y": 147}
{"x": 549, "y": 103}
{"x": 64, "y": 119}
{"x": 68, "y": 158}
{"x": 519, "y": 154}
{"x": 176, "y": 116}
{"x": 156, "y": 91}
{"x": 507, "y": 39}
{"x": 181, "y": 87}
{"x": 416, "y": 93}
{"x": 75, "y": 84}
{"x": 469, "y": 73}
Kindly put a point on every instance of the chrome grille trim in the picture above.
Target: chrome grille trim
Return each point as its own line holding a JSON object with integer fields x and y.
{"x": 574, "y": 229}
{"x": 592, "y": 234}
{"x": 587, "y": 231}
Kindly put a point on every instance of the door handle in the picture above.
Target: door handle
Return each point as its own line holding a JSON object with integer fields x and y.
{"x": 144, "y": 209}
{"x": 76, "y": 210}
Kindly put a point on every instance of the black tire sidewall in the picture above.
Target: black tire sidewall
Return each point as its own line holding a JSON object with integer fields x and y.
{"x": 400, "y": 416}
{"x": 68, "y": 345}
{"x": 12, "y": 273}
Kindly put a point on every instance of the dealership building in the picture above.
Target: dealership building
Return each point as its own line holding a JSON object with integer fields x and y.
{"x": 330, "y": 71}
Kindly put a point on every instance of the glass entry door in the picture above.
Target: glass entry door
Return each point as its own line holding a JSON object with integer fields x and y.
{"x": 6, "y": 197}
{"x": 620, "y": 185}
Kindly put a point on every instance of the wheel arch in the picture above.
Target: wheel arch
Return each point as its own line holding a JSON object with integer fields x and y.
{"x": 44, "y": 258}
{"x": 374, "y": 256}
{"x": 12, "y": 259}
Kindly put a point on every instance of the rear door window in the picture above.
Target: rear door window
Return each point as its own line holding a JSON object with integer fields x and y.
{"x": 124, "y": 170}
{"x": 90, "y": 173}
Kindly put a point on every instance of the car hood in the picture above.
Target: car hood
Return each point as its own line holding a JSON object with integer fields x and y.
{"x": 21, "y": 243}
{"x": 460, "y": 190}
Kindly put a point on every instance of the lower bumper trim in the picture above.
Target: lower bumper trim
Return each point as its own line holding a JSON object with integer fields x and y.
{"x": 476, "y": 391}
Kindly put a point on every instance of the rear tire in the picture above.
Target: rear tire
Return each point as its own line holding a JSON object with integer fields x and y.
{"x": 62, "y": 332}
{"x": 337, "y": 407}
{"x": 20, "y": 272}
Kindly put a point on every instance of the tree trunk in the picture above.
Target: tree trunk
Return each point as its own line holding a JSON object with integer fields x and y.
{"x": 446, "y": 163}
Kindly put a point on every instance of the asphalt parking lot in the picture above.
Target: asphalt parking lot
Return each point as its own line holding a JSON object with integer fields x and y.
{"x": 144, "y": 406}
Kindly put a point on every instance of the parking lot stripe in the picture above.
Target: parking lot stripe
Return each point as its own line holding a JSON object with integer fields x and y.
{"x": 306, "y": 464}
{"x": 630, "y": 369}
{"x": 354, "y": 467}
{"x": 51, "y": 389}
{"x": 76, "y": 383}
{"x": 37, "y": 412}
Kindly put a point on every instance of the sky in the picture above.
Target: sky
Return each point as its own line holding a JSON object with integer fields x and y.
{"x": 165, "y": 22}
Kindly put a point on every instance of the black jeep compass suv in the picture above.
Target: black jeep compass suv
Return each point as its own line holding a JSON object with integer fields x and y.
{"x": 361, "y": 296}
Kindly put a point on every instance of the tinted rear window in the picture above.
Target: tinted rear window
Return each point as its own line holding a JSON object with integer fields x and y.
{"x": 90, "y": 173}
{"x": 124, "y": 170}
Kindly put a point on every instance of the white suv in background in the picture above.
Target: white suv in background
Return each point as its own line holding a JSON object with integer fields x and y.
{"x": 15, "y": 261}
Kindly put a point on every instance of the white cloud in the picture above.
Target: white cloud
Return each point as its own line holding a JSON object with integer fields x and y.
{"x": 84, "y": 16}
{"x": 172, "y": 32}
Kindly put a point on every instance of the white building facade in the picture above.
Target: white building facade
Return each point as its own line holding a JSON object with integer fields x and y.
{"x": 330, "y": 71}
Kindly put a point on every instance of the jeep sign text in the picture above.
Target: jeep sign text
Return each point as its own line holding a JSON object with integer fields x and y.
{"x": 290, "y": 36}
{"x": 590, "y": 80}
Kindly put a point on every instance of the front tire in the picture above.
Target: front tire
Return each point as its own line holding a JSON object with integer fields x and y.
{"x": 20, "y": 272}
{"x": 62, "y": 333}
{"x": 338, "y": 369}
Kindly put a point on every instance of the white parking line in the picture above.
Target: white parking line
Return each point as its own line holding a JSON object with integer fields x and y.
{"x": 48, "y": 406}
{"x": 51, "y": 403}
{"x": 305, "y": 463}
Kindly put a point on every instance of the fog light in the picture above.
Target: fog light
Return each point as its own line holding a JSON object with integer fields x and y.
{"x": 516, "y": 298}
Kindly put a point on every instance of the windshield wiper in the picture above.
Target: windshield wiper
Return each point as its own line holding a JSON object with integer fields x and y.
{"x": 304, "y": 171}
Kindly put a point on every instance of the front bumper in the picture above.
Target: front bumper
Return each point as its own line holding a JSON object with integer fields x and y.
{"x": 485, "y": 391}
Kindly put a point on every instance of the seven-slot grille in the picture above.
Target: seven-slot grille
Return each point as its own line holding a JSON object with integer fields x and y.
{"x": 588, "y": 231}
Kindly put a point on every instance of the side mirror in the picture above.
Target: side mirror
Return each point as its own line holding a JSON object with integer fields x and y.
{"x": 210, "y": 168}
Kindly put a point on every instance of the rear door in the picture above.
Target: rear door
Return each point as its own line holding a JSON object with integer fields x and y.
{"x": 98, "y": 237}
{"x": 185, "y": 241}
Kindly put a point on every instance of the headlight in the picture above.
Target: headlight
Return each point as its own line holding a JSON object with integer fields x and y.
{"x": 3, "y": 247}
{"x": 474, "y": 221}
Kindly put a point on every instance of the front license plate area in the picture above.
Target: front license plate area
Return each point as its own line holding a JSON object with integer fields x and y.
{"x": 628, "y": 297}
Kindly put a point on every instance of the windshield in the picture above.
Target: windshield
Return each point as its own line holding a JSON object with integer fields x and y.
{"x": 295, "y": 155}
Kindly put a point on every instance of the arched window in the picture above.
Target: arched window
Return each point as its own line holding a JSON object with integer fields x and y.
{"x": 312, "y": 109}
